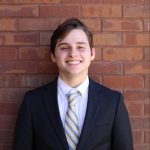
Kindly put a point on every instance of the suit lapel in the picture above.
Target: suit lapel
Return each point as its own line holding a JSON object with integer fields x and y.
{"x": 94, "y": 97}
{"x": 53, "y": 112}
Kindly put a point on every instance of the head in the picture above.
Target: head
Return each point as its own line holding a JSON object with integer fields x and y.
{"x": 63, "y": 29}
{"x": 72, "y": 50}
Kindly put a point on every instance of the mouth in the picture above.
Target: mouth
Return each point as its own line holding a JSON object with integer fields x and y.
{"x": 73, "y": 62}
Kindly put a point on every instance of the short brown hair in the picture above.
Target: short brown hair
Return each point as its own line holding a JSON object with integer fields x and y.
{"x": 63, "y": 29}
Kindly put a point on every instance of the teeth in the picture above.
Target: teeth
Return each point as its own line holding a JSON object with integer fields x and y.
{"x": 73, "y": 62}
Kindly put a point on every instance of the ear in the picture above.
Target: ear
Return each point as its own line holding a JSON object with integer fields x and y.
{"x": 53, "y": 57}
{"x": 93, "y": 52}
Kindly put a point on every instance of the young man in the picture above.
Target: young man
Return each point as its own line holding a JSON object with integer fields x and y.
{"x": 73, "y": 112}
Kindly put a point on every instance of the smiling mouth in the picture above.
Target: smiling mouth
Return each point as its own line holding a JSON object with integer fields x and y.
{"x": 75, "y": 62}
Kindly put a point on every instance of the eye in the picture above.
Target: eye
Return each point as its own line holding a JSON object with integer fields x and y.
{"x": 81, "y": 48}
{"x": 64, "y": 48}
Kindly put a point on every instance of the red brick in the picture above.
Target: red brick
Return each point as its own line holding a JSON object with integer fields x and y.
{"x": 9, "y": 81}
{"x": 8, "y": 108}
{"x": 26, "y": 81}
{"x": 34, "y": 53}
{"x": 91, "y": 2}
{"x": 147, "y": 137}
{"x": 135, "y": 108}
{"x": 108, "y": 39}
{"x": 147, "y": 109}
{"x": 114, "y": 54}
{"x": 147, "y": 25}
{"x": 6, "y": 146}
{"x": 105, "y": 68}
{"x": 147, "y": 53}
{"x": 137, "y": 68}
{"x": 50, "y": 11}
{"x": 81, "y": 1}
{"x": 2, "y": 39}
{"x": 45, "y": 38}
{"x": 21, "y": 39}
{"x": 111, "y": 11}
{"x": 98, "y": 55}
{"x": 19, "y": 11}
{"x": 8, "y": 1}
{"x": 136, "y": 95}
{"x": 141, "y": 146}
{"x": 140, "y": 123}
{"x": 35, "y": 80}
{"x": 15, "y": 81}
{"x": 71, "y": 1}
{"x": 7, "y": 67}
{"x": 134, "y": 82}
{"x": 147, "y": 82}
{"x": 137, "y": 137}
{"x": 139, "y": 39}
{"x": 26, "y": 39}
{"x": 7, "y": 122}
{"x": 146, "y": 1}
{"x": 26, "y": 67}
{"x": 19, "y": 67}
{"x": 123, "y": 1}
{"x": 47, "y": 67}
{"x": 122, "y": 25}
{"x": 7, "y": 54}
{"x": 39, "y": 1}
{"x": 12, "y": 95}
{"x": 136, "y": 11}
{"x": 101, "y": 11}
{"x": 8, "y": 25}
{"x": 92, "y": 24}
{"x": 96, "y": 78}
{"x": 38, "y": 24}
{"x": 91, "y": 11}
{"x": 6, "y": 136}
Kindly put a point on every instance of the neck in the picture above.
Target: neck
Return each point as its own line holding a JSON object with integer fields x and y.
{"x": 73, "y": 81}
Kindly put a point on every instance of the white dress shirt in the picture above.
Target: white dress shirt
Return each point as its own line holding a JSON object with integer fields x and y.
{"x": 81, "y": 104}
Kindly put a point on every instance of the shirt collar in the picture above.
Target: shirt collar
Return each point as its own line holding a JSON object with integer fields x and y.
{"x": 82, "y": 88}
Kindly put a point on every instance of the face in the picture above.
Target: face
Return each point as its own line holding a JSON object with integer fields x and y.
{"x": 73, "y": 55}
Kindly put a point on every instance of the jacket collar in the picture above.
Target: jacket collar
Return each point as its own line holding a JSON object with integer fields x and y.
{"x": 94, "y": 98}
{"x": 52, "y": 109}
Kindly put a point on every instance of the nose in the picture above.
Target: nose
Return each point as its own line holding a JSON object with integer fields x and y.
{"x": 73, "y": 52}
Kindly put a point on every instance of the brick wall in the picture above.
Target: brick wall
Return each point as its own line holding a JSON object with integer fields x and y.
{"x": 121, "y": 37}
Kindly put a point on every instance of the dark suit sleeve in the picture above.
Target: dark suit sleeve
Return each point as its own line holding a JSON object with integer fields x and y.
{"x": 121, "y": 134}
{"x": 23, "y": 130}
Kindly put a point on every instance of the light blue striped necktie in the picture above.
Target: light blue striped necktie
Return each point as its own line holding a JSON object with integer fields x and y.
{"x": 71, "y": 121}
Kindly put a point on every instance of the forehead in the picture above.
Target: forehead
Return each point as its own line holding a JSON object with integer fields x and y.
{"x": 75, "y": 36}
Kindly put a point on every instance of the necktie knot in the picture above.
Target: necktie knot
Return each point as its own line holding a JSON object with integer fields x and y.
{"x": 73, "y": 97}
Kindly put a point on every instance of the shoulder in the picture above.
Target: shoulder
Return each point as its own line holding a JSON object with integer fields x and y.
{"x": 104, "y": 91}
{"x": 99, "y": 86}
{"x": 39, "y": 91}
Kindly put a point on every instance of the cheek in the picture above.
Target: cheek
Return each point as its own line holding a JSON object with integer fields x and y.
{"x": 60, "y": 59}
{"x": 87, "y": 56}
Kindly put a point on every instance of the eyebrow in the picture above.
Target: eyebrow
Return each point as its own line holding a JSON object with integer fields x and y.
{"x": 84, "y": 43}
{"x": 63, "y": 43}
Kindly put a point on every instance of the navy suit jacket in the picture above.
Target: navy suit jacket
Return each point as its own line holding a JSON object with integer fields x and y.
{"x": 106, "y": 125}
